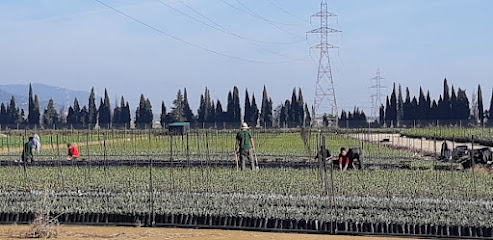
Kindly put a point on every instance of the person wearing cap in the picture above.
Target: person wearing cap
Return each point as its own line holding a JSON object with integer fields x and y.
{"x": 245, "y": 146}
{"x": 343, "y": 159}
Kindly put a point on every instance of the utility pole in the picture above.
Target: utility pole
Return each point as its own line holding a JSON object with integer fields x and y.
{"x": 376, "y": 96}
{"x": 325, "y": 97}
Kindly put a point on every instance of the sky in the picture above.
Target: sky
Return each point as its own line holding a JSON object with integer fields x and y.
{"x": 156, "y": 47}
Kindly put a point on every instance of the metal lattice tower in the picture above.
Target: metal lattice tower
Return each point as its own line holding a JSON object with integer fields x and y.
{"x": 325, "y": 96}
{"x": 376, "y": 96}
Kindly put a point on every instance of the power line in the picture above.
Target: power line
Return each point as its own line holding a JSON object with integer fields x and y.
{"x": 183, "y": 40}
{"x": 287, "y": 12}
{"x": 220, "y": 29}
{"x": 253, "y": 14}
{"x": 231, "y": 33}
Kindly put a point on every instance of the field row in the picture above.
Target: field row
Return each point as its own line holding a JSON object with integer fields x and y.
{"x": 438, "y": 211}
{"x": 286, "y": 181}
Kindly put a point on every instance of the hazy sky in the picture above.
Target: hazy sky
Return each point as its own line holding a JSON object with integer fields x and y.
{"x": 78, "y": 44}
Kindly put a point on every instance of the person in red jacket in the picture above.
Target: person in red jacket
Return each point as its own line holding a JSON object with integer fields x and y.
{"x": 73, "y": 152}
{"x": 343, "y": 159}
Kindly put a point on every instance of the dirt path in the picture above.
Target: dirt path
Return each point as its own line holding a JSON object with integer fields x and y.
{"x": 11, "y": 232}
{"x": 422, "y": 146}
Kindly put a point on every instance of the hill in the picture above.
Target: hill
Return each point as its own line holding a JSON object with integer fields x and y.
{"x": 61, "y": 96}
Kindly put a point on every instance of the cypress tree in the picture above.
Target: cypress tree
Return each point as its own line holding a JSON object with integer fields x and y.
{"x": 444, "y": 108}
{"x": 300, "y": 108}
{"x": 393, "y": 106}
{"x": 125, "y": 114}
{"x": 293, "y": 110}
{"x": 248, "y": 113}
{"x": 266, "y": 110}
{"x": 453, "y": 104}
{"x": 382, "y": 115}
{"x": 434, "y": 110}
{"x": 178, "y": 111}
{"x": 143, "y": 114}
{"x": 406, "y": 107}
{"x": 219, "y": 113}
{"x": 480, "y": 105}
{"x": 236, "y": 106}
{"x": 413, "y": 108}
{"x": 428, "y": 111}
{"x": 462, "y": 107}
{"x": 84, "y": 116}
{"x": 163, "y": 115}
{"x": 30, "y": 104}
{"x": 254, "y": 112}
{"x": 13, "y": 114}
{"x": 149, "y": 117}
{"x": 229, "y": 108}
{"x": 50, "y": 115}
{"x": 233, "y": 108}
{"x": 212, "y": 112}
{"x": 100, "y": 110}
{"x": 204, "y": 111}
{"x": 104, "y": 112}
{"x": 71, "y": 116}
{"x": 344, "y": 117}
{"x": 423, "y": 106}
{"x": 186, "y": 107}
{"x": 92, "y": 111}
{"x": 3, "y": 114}
{"x": 34, "y": 114}
{"x": 77, "y": 111}
{"x": 440, "y": 109}
{"x": 400, "y": 106}
{"x": 117, "y": 113}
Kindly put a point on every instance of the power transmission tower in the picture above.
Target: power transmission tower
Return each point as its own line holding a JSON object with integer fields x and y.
{"x": 376, "y": 96}
{"x": 325, "y": 96}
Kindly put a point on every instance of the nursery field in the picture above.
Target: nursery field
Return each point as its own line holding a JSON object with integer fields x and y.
{"x": 397, "y": 194}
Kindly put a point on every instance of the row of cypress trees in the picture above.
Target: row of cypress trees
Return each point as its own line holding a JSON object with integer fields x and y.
{"x": 210, "y": 112}
{"x": 451, "y": 105}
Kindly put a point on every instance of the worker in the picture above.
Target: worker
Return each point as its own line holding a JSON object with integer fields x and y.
{"x": 328, "y": 154}
{"x": 245, "y": 146}
{"x": 27, "y": 152}
{"x": 73, "y": 152}
{"x": 343, "y": 159}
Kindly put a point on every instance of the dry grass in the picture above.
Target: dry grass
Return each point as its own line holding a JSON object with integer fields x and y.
{"x": 43, "y": 227}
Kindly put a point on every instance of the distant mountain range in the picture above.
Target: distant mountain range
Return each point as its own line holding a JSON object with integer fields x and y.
{"x": 62, "y": 97}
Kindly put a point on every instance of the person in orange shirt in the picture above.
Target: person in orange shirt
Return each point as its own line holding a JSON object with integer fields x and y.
{"x": 73, "y": 152}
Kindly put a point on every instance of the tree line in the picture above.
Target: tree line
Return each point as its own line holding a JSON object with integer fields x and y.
{"x": 451, "y": 105}
{"x": 211, "y": 113}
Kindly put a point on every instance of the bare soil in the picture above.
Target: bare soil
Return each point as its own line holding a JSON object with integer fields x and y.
{"x": 14, "y": 232}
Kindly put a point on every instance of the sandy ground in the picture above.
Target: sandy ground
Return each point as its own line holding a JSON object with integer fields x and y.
{"x": 11, "y": 232}
{"x": 422, "y": 146}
